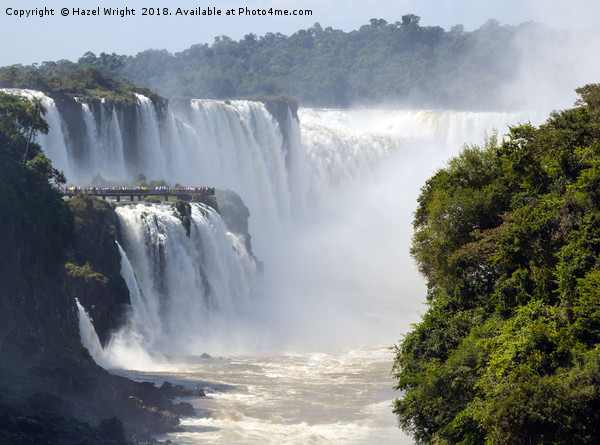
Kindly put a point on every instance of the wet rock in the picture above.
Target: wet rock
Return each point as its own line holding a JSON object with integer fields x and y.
{"x": 184, "y": 409}
{"x": 41, "y": 401}
{"x": 197, "y": 392}
{"x": 153, "y": 414}
{"x": 171, "y": 391}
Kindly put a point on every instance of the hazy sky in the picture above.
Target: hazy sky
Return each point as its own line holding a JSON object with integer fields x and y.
{"x": 35, "y": 39}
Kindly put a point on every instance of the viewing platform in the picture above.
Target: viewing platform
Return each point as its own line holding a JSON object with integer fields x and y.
{"x": 185, "y": 193}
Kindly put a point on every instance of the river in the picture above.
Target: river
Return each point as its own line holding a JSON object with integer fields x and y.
{"x": 286, "y": 398}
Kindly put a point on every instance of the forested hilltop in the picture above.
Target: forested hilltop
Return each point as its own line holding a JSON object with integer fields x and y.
{"x": 401, "y": 62}
{"x": 508, "y": 237}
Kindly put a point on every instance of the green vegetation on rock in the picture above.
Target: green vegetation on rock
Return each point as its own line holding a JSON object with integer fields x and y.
{"x": 88, "y": 85}
{"x": 235, "y": 214}
{"x": 233, "y": 211}
{"x": 508, "y": 237}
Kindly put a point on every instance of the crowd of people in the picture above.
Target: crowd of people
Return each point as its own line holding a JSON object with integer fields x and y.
{"x": 162, "y": 190}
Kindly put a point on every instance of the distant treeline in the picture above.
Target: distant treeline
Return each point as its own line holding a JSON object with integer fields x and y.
{"x": 400, "y": 62}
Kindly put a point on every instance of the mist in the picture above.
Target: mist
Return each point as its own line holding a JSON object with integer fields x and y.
{"x": 556, "y": 57}
{"x": 341, "y": 275}
{"x": 337, "y": 270}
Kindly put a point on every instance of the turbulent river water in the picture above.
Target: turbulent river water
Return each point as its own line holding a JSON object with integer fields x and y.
{"x": 296, "y": 398}
{"x": 298, "y": 353}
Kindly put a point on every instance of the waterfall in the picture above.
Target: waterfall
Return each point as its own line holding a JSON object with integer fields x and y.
{"x": 330, "y": 196}
{"x": 346, "y": 147}
{"x": 240, "y": 146}
{"x": 185, "y": 289}
{"x": 89, "y": 339}
{"x": 344, "y": 267}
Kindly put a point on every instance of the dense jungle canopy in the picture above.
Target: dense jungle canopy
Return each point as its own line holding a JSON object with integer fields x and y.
{"x": 401, "y": 62}
{"x": 508, "y": 237}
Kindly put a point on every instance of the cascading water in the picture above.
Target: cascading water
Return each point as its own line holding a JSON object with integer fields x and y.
{"x": 185, "y": 289}
{"x": 345, "y": 265}
{"x": 329, "y": 202}
{"x": 330, "y": 199}
{"x": 235, "y": 146}
{"x": 345, "y": 147}
{"x": 89, "y": 339}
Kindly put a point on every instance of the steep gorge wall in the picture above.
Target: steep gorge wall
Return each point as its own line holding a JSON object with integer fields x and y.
{"x": 51, "y": 391}
{"x": 94, "y": 265}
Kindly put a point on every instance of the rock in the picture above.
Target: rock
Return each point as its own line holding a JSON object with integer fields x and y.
{"x": 184, "y": 409}
{"x": 113, "y": 429}
{"x": 153, "y": 414}
{"x": 171, "y": 391}
{"x": 41, "y": 401}
{"x": 197, "y": 392}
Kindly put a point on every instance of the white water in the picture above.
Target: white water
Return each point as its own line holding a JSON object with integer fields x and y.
{"x": 89, "y": 339}
{"x": 331, "y": 212}
{"x": 301, "y": 398}
{"x": 186, "y": 291}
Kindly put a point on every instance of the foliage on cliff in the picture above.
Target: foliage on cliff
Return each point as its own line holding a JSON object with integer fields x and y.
{"x": 31, "y": 207}
{"x": 184, "y": 213}
{"x": 39, "y": 337}
{"x": 508, "y": 237}
{"x": 234, "y": 212}
{"x": 88, "y": 85}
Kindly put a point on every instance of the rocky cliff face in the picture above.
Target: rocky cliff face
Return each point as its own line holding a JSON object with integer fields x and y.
{"x": 94, "y": 265}
{"x": 51, "y": 390}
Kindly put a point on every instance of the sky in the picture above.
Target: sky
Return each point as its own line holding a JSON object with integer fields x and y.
{"x": 34, "y": 39}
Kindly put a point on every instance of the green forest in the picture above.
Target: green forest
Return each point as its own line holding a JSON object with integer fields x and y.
{"x": 400, "y": 63}
{"x": 508, "y": 237}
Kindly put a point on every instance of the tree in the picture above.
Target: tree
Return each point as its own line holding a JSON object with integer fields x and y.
{"x": 34, "y": 112}
{"x": 31, "y": 206}
{"x": 18, "y": 117}
{"x": 403, "y": 61}
{"x": 508, "y": 237}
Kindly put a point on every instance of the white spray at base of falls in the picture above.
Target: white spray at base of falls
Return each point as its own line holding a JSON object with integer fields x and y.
{"x": 342, "y": 274}
{"x": 186, "y": 290}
